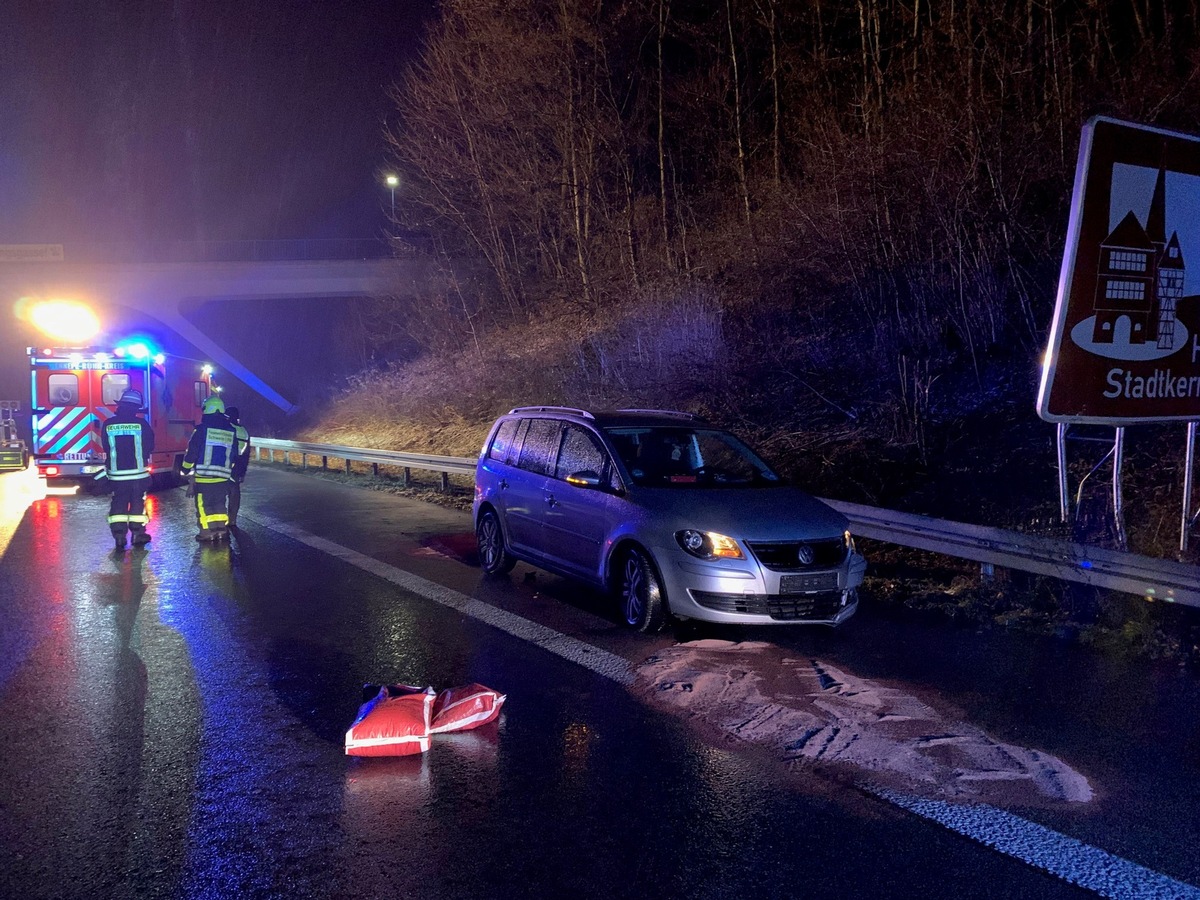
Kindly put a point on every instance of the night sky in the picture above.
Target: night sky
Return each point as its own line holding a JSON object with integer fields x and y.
{"x": 127, "y": 120}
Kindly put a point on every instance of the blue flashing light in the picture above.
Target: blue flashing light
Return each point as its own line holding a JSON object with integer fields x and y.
{"x": 1085, "y": 564}
{"x": 137, "y": 346}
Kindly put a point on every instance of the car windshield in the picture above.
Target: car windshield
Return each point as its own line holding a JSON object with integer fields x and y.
{"x": 682, "y": 456}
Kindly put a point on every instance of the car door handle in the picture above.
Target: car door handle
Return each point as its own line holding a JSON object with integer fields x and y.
{"x": 503, "y": 484}
{"x": 550, "y": 501}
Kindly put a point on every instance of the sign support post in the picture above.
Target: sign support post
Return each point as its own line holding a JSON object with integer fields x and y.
{"x": 1188, "y": 469}
{"x": 1064, "y": 497}
{"x": 1118, "y": 506}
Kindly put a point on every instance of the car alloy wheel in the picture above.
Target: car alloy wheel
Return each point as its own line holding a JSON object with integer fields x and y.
{"x": 643, "y": 604}
{"x": 493, "y": 558}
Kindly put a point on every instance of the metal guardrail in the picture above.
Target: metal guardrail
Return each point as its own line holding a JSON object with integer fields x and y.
{"x": 445, "y": 465}
{"x": 1146, "y": 576}
{"x": 1156, "y": 579}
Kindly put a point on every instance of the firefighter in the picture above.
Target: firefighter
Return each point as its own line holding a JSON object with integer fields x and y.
{"x": 241, "y": 463}
{"x": 128, "y": 442}
{"x": 208, "y": 463}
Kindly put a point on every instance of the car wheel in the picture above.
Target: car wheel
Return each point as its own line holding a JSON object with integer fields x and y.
{"x": 493, "y": 558}
{"x": 640, "y": 592}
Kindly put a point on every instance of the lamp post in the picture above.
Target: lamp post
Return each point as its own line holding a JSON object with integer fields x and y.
{"x": 392, "y": 181}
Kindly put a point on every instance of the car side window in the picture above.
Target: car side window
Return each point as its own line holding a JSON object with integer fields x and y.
{"x": 503, "y": 444}
{"x": 580, "y": 453}
{"x": 540, "y": 447}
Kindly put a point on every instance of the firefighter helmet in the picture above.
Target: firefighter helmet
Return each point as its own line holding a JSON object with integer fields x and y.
{"x": 214, "y": 404}
{"x": 132, "y": 397}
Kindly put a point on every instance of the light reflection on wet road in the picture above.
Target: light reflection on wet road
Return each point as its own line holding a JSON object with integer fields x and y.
{"x": 171, "y": 724}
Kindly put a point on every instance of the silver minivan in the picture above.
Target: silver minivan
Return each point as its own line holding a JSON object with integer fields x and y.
{"x": 672, "y": 515}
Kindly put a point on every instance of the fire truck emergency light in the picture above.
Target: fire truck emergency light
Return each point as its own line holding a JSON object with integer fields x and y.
{"x": 65, "y": 320}
{"x": 136, "y": 350}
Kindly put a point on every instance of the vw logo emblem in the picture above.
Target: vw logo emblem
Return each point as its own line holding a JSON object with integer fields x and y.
{"x": 805, "y": 555}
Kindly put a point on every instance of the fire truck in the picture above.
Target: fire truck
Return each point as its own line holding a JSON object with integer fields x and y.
{"x": 75, "y": 390}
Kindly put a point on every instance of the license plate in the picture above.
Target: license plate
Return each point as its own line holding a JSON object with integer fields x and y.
{"x": 802, "y": 584}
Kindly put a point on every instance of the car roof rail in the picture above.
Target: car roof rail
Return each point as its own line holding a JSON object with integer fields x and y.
{"x": 672, "y": 413}
{"x": 569, "y": 410}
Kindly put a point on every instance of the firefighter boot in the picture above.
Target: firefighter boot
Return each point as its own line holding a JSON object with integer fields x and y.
{"x": 206, "y": 534}
{"x": 141, "y": 538}
{"x": 119, "y": 538}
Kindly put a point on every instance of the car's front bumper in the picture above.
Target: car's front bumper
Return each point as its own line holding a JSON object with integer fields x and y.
{"x": 749, "y": 594}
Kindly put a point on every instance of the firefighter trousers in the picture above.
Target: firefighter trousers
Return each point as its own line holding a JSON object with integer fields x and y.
{"x": 211, "y": 500}
{"x": 127, "y": 510}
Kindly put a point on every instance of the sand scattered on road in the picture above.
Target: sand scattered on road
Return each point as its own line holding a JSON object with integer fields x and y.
{"x": 807, "y": 712}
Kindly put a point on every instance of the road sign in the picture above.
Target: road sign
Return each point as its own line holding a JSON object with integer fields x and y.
{"x": 1125, "y": 341}
{"x": 31, "y": 253}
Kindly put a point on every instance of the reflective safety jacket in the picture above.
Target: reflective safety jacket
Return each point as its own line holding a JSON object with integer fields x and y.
{"x": 212, "y": 450}
{"x": 128, "y": 442}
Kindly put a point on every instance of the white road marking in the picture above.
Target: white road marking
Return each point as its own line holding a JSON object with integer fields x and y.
{"x": 1043, "y": 848}
{"x": 600, "y": 661}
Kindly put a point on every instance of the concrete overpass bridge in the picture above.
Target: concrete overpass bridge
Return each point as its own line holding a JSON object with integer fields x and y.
{"x": 186, "y": 273}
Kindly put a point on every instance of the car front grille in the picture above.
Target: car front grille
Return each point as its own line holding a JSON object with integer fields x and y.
{"x": 784, "y": 556}
{"x": 784, "y": 608}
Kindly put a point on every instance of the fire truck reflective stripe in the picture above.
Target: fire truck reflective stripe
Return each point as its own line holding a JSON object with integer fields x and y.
{"x": 58, "y": 431}
{"x": 74, "y": 439}
{"x": 55, "y": 420}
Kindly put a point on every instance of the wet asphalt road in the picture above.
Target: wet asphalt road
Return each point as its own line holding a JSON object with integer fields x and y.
{"x": 171, "y": 725}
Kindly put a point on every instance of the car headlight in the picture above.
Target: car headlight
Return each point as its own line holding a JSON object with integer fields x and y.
{"x": 708, "y": 545}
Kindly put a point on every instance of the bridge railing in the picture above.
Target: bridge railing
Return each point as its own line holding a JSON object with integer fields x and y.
{"x": 1145, "y": 576}
{"x": 236, "y": 251}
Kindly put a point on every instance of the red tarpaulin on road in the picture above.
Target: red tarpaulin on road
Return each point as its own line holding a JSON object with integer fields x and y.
{"x": 398, "y": 719}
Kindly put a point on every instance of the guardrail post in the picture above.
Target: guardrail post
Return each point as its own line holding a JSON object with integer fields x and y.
{"x": 304, "y": 461}
{"x": 375, "y": 469}
{"x": 445, "y": 481}
{"x": 406, "y": 478}
{"x": 987, "y": 573}
{"x": 347, "y": 467}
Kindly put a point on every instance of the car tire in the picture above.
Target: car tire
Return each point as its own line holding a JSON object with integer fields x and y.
{"x": 640, "y": 593}
{"x": 494, "y": 559}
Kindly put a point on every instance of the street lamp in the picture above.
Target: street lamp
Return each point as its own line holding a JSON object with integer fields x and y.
{"x": 392, "y": 181}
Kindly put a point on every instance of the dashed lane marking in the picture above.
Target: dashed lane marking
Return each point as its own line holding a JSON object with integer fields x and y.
{"x": 1065, "y": 857}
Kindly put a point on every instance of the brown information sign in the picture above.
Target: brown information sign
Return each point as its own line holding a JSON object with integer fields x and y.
{"x": 1125, "y": 342}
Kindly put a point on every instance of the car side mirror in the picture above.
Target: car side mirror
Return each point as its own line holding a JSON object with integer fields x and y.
{"x": 584, "y": 478}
